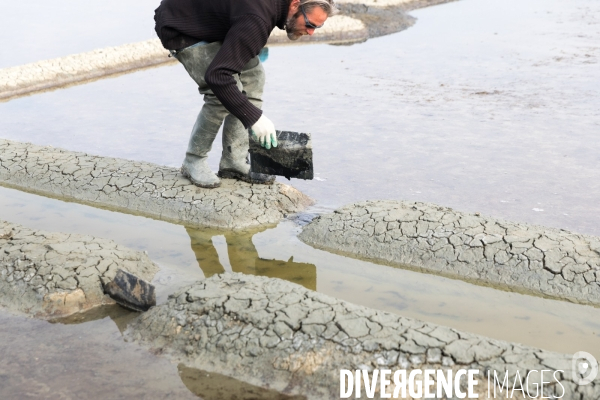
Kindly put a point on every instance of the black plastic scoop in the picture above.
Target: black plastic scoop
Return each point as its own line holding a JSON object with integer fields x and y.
{"x": 291, "y": 158}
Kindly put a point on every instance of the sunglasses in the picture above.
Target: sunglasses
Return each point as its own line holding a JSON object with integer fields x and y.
{"x": 307, "y": 23}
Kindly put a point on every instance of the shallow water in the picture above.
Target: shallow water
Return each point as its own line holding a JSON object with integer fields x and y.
{"x": 488, "y": 105}
{"x": 86, "y": 358}
{"x": 40, "y": 360}
{"x": 210, "y": 385}
{"x": 185, "y": 255}
{"x": 41, "y": 29}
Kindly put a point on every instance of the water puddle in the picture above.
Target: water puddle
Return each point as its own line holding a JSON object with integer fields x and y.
{"x": 210, "y": 385}
{"x": 238, "y": 253}
{"x": 84, "y": 356}
{"x": 40, "y": 29}
{"x": 40, "y": 360}
{"x": 187, "y": 254}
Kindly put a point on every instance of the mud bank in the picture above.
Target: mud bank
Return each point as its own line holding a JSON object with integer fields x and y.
{"x": 51, "y": 274}
{"x": 47, "y": 74}
{"x": 144, "y": 188}
{"x": 357, "y": 22}
{"x": 532, "y": 259}
{"x": 274, "y": 333}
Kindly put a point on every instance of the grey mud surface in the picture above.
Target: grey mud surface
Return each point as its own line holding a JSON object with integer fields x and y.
{"x": 275, "y": 333}
{"x": 144, "y": 188}
{"x": 544, "y": 261}
{"x": 357, "y": 22}
{"x": 385, "y": 20}
{"x": 51, "y": 274}
{"x": 47, "y": 74}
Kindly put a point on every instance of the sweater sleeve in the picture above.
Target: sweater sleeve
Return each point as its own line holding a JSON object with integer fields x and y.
{"x": 246, "y": 37}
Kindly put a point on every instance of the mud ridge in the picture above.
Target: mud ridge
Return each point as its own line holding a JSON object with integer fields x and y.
{"x": 52, "y": 274}
{"x": 532, "y": 259}
{"x": 274, "y": 333}
{"x": 143, "y": 188}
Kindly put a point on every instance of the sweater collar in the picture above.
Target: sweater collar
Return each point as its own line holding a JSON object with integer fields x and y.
{"x": 283, "y": 7}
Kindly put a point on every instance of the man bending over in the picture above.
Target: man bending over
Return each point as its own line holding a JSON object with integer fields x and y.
{"x": 218, "y": 42}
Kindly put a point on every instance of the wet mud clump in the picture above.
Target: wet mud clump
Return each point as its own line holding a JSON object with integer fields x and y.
{"x": 51, "y": 274}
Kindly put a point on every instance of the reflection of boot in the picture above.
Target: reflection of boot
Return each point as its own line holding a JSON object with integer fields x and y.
{"x": 244, "y": 258}
{"x": 241, "y": 251}
{"x": 206, "y": 254}
{"x": 195, "y": 166}
{"x": 301, "y": 273}
{"x": 234, "y": 160}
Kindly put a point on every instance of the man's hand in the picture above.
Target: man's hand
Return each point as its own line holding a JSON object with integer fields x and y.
{"x": 263, "y": 131}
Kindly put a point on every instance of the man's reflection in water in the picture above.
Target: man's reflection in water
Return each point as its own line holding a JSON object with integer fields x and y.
{"x": 213, "y": 386}
{"x": 244, "y": 258}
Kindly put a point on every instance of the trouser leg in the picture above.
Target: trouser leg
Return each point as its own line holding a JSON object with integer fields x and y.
{"x": 205, "y": 252}
{"x": 235, "y": 146}
{"x": 205, "y": 130}
{"x": 235, "y": 137}
{"x": 250, "y": 81}
{"x": 196, "y": 60}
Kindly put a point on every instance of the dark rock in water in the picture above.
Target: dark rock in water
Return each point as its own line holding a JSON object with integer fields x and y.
{"x": 291, "y": 158}
{"x": 131, "y": 292}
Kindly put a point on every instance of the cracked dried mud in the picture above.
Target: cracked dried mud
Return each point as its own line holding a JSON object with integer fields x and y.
{"x": 432, "y": 238}
{"x": 264, "y": 330}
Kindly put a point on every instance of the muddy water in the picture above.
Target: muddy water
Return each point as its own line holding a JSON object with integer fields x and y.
{"x": 86, "y": 358}
{"x": 39, "y": 360}
{"x": 40, "y": 29}
{"x": 487, "y": 105}
{"x": 186, "y": 255}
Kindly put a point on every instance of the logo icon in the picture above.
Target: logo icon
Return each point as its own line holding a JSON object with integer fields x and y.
{"x": 585, "y": 368}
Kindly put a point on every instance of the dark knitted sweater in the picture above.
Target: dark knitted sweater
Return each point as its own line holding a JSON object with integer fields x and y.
{"x": 243, "y": 26}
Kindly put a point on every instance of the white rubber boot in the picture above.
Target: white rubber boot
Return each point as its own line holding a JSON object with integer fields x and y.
{"x": 196, "y": 169}
{"x": 195, "y": 166}
{"x": 234, "y": 159}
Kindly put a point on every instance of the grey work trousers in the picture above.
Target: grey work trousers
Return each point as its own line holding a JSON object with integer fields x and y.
{"x": 250, "y": 81}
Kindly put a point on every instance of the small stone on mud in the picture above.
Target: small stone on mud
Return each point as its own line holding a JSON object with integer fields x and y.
{"x": 131, "y": 292}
